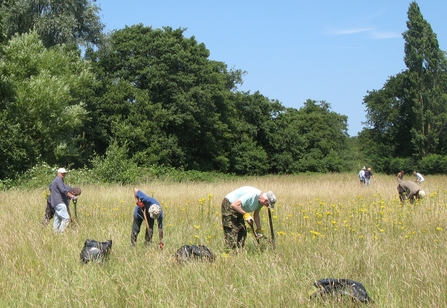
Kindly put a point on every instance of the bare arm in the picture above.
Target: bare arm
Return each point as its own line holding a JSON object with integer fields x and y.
{"x": 160, "y": 234}
{"x": 135, "y": 190}
{"x": 237, "y": 207}
{"x": 257, "y": 219}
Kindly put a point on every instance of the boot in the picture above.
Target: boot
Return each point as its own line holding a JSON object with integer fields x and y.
{"x": 148, "y": 237}
{"x": 133, "y": 239}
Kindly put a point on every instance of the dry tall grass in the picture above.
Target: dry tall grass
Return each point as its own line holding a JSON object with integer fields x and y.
{"x": 325, "y": 225}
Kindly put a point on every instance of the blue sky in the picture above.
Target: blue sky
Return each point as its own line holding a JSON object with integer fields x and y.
{"x": 292, "y": 51}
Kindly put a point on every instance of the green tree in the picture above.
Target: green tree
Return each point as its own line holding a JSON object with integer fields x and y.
{"x": 167, "y": 103}
{"x": 426, "y": 87}
{"x": 288, "y": 143}
{"x": 163, "y": 87}
{"x": 389, "y": 123}
{"x": 45, "y": 114}
{"x": 407, "y": 117}
{"x": 247, "y": 157}
{"x": 57, "y": 21}
{"x": 312, "y": 138}
{"x": 249, "y": 149}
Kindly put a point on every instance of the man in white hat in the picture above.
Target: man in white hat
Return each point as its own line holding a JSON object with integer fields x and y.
{"x": 59, "y": 199}
{"x": 49, "y": 210}
{"x": 236, "y": 208}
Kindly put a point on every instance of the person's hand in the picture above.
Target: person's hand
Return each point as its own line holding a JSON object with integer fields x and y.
{"x": 161, "y": 245}
{"x": 74, "y": 198}
{"x": 248, "y": 218}
{"x": 140, "y": 204}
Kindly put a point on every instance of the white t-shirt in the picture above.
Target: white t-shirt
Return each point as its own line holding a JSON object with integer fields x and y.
{"x": 420, "y": 178}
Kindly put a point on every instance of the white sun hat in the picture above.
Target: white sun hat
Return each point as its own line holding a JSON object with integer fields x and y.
{"x": 421, "y": 194}
{"x": 154, "y": 211}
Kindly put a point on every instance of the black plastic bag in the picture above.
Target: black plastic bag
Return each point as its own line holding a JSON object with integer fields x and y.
{"x": 194, "y": 252}
{"x": 342, "y": 287}
{"x": 95, "y": 251}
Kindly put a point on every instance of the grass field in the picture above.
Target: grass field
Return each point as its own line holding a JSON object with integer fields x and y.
{"x": 325, "y": 226}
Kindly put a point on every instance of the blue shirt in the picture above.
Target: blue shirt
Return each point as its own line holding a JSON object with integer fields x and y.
{"x": 249, "y": 197}
{"x": 148, "y": 202}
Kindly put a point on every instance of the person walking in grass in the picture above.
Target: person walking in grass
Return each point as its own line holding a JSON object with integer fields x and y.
{"x": 148, "y": 209}
{"x": 60, "y": 198}
{"x": 400, "y": 176}
{"x": 236, "y": 209}
{"x": 368, "y": 176}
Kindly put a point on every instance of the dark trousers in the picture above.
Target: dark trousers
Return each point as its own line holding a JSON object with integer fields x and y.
{"x": 136, "y": 226}
{"x": 49, "y": 213}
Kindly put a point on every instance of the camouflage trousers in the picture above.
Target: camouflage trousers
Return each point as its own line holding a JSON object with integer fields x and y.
{"x": 233, "y": 226}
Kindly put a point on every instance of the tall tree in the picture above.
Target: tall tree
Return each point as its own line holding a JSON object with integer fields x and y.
{"x": 68, "y": 22}
{"x": 252, "y": 127}
{"x": 426, "y": 88}
{"x": 310, "y": 139}
{"x": 407, "y": 117}
{"x": 45, "y": 108}
{"x": 389, "y": 121}
{"x": 178, "y": 98}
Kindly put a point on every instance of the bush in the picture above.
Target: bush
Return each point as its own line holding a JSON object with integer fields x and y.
{"x": 42, "y": 174}
{"x": 432, "y": 164}
{"x": 115, "y": 167}
{"x": 6, "y": 184}
{"x": 39, "y": 175}
{"x": 397, "y": 164}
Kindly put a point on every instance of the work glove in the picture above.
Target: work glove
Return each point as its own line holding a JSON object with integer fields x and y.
{"x": 140, "y": 204}
{"x": 161, "y": 245}
{"x": 248, "y": 218}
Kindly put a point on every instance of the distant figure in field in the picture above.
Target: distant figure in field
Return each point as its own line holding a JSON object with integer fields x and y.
{"x": 400, "y": 176}
{"x": 362, "y": 176}
{"x": 409, "y": 190}
{"x": 368, "y": 176}
{"x": 419, "y": 177}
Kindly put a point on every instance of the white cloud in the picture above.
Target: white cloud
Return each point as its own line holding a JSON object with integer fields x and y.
{"x": 385, "y": 35}
{"x": 349, "y": 31}
{"x": 370, "y": 31}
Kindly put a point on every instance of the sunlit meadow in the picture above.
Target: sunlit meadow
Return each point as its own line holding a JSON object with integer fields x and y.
{"x": 325, "y": 226}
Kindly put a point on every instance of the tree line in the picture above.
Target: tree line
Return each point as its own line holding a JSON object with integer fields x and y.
{"x": 152, "y": 97}
{"x": 406, "y": 125}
